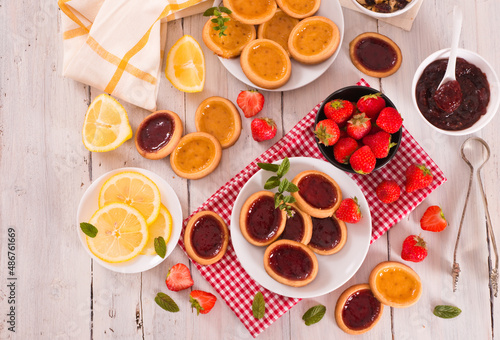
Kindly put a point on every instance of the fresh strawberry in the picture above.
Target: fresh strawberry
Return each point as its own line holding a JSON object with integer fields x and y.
{"x": 418, "y": 176}
{"x": 179, "y": 278}
{"x": 389, "y": 120}
{"x": 250, "y": 102}
{"x": 263, "y": 129}
{"x": 371, "y": 105}
{"x": 344, "y": 148}
{"x": 358, "y": 126}
{"x": 388, "y": 191}
{"x": 327, "y": 132}
{"x": 202, "y": 301}
{"x": 349, "y": 211}
{"x": 414, "y": 249}
{"x": 433, "y": 219}
{"x": 339, "y": 110}
{"x": 363, "y": 160}
{"x": 380, "y": 143}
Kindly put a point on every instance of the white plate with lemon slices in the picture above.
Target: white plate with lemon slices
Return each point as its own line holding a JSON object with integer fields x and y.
{"x": 142, "y": 253}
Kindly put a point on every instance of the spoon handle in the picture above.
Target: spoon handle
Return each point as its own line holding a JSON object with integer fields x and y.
{"x": 457, "y": 27}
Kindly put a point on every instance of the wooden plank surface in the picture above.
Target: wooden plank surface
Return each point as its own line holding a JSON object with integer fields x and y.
{"x": 62, "y": 294}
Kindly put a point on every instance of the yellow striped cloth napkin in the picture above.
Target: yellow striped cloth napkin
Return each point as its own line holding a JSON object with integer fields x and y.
{"x": 117, "y": 45}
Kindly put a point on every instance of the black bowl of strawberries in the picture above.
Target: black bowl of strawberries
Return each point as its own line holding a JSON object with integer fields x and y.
{"x": 358, "y": 129}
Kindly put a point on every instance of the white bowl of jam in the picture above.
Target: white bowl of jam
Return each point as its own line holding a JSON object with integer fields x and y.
{"x": 384, "y": 9}
{"x": 480, "y": 92}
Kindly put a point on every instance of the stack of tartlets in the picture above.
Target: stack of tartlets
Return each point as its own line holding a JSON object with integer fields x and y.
{"x": 286, "y": 28}
{"x": 195, "y": 155}
{"x": 293, "y": 242}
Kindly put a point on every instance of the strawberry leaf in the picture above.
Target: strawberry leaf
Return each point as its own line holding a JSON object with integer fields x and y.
{"x": 447, "y": 312}
{"x": 88, "y": 229}
{"x": 166, "y": 302}
{"x": 258, "y": 306}
{"x": 314, "y": 314}
{"x": 160, "y": 247}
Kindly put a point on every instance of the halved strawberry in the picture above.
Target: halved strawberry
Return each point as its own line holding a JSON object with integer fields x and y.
{"x": 250, "y": 102}
{"x": 433, "y": 219}
{"x": 202, "y": 301}
{"x": 179, "y": 278}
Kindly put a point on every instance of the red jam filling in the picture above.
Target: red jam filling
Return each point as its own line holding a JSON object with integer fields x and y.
{"x": 375, "y": 54}
{"x": 317, "y": 191}
{"x": 294, "y": 228}
{"x": 263, "y": 219}
{"x": 290, "y": 262}
{"x": 361, "y": 310}
{"x": 156, "y": 132}
{"x": 448, "y": 96}
{"x": 326, "y": 233}
{"x": 207, "y": 236}
{"x": 475, "y": 95}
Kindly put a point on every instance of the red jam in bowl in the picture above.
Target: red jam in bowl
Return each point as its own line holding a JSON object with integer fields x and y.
{"x": 317, "y": 191}
{"x": 326, "y": 233}
{"x": 263, "y": 219}
{"x": 360, "y": 310}
{"x": 207, "y": 237}
{"x": 475, "y": 95}
{"x": 291, "y": 262}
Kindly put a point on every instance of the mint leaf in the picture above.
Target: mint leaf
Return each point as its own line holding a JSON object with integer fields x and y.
{"x": 292, "y": 187}
{"x": 277, "y": 199}
{"x": 258, "y": 306}
{"x": 268, "y": 166}
{"x": 209, "y": 12}
{"x": 283, "y": 167}
{"x": 288, "y": 199}
{"x": 160, "y": 247}
{"x": 272, "y": 182}
{"x": 166, "y": 302}
{"x": 314, "y": 314}
{"x": 283, "y": 185}
{"x": 225, "y": 10}
{"x": 447, "y": 312}
{"x": 88, "y": 229}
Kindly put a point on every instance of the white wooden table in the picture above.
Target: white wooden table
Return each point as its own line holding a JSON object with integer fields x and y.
{"x": 60, "y": 293}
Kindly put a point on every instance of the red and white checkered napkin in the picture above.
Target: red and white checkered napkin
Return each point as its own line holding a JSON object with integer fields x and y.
{"x": 229, "y": 278}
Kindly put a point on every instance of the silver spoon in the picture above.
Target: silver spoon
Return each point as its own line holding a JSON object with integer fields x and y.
{"x": 448, "y": 95}
{"x": 491, "y": 236}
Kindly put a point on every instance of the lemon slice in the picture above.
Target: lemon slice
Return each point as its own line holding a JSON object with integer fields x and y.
{"x": 134, "y": 189}
{"x": 161, "y": 227}
{"x": 106, "y": 125}
{"x": 186, "y": 65}
{"x": 122, "y": 233}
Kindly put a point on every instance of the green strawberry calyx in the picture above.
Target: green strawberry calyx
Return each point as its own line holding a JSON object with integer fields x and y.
{"x": 322, "y": 135}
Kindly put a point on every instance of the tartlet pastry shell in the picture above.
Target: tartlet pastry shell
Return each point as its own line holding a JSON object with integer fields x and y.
{"x": 255, "y": 20}
{"x": 282, "y": 4}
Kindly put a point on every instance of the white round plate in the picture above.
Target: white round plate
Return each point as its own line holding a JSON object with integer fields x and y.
{"x": 301, "y": 74}
{"x": 334, "y": 270}
{"x": 89, "y": 205}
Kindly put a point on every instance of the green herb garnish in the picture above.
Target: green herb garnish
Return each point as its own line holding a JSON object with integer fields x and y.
{"x": 314, "y": 314}
{"x": 219, "y": 20}
{"x": 166, "y": 302}
{"x": 160, "y": 247}
{"x": 447, "y": 312}
{"x": 280, "y": 200}
{"x": 88, "y": 229}
{"x": 258, "y": 306}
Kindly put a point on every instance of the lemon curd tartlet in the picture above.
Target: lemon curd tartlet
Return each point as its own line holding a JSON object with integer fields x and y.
{"x": 253, "y": 12}
{"x": 290, "y": 263}
{"x": 395, "y": 284}
{"x": 260, "y": 222}
{"x": 158, "y": 134}
{"x": 220, "y": 118}
{"x": 358, "y": 310}
{"x": 206, "y": 237}
{"x": 196, "y": 155}
{"x": 299, "y": 9}
{"x": 238, "y": 35}
{"x": 313, "y": 40}
{"x": 266, "y": 63}
{"x": 278, "y": 29}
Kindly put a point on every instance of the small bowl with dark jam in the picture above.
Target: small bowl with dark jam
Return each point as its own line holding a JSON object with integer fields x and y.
{"x": 479, "y": 86}
{"x": 352, "y": 94}
{"x": 384, "y": 8}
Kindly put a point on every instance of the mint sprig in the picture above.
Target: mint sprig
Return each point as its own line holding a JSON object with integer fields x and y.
{"x": 258, "y": 306}
{"x": 281, "y": 200}
{"x": 314, "y": 314}
{"x": 166, "y": 302}
{"x": 88, "y": 229}
{"x": 160, "y": 247}
{"x": 218, "y": 19}
{"x": 446, "y": 312}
